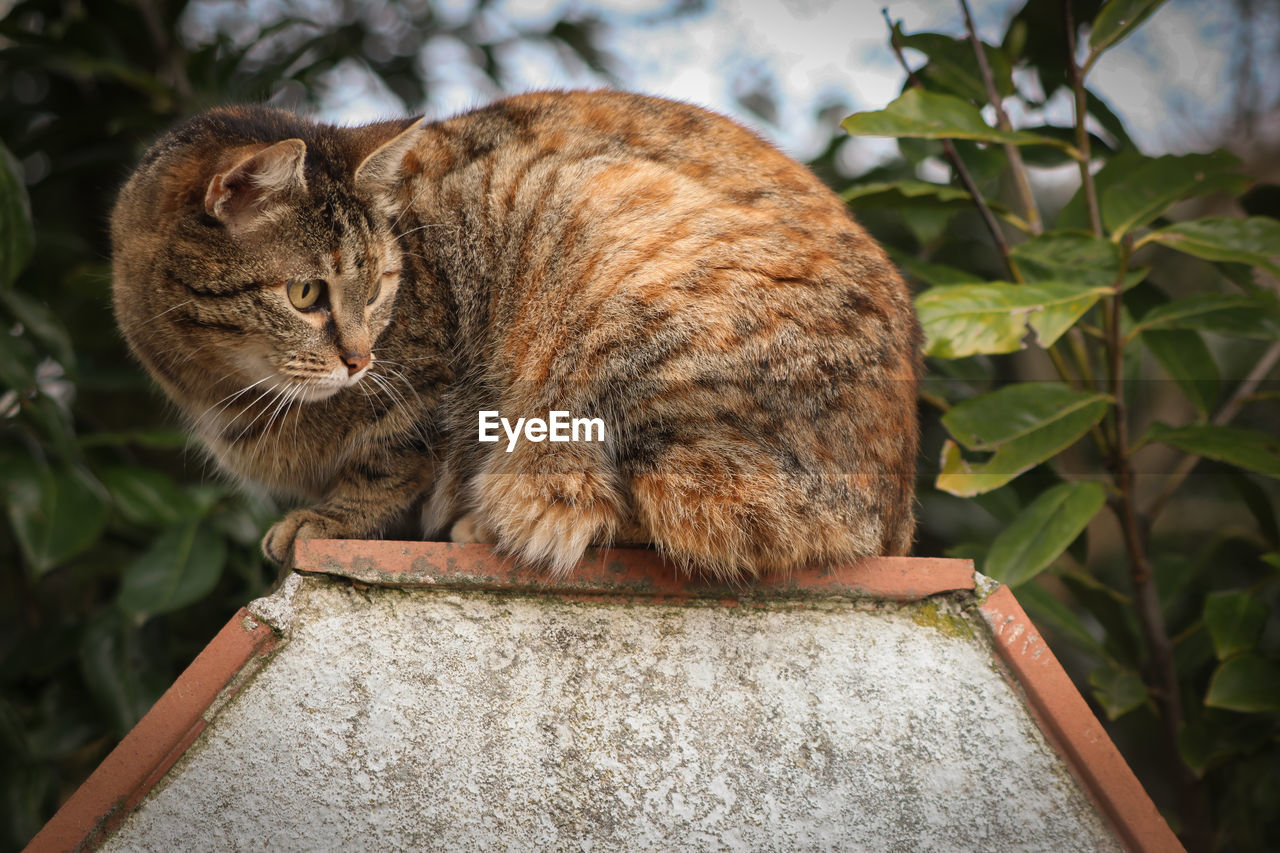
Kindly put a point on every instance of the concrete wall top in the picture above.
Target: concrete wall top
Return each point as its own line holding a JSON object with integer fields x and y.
{"x": 433, "y": 696}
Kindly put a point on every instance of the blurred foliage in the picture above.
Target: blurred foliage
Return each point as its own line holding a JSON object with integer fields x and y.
{"x": 122, "y": 558}
{"x": 1107, "y": 440}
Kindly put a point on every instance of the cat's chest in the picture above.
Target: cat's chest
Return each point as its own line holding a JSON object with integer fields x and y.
{"x": 283, "y": 473}
{"x": 288, "y": 462}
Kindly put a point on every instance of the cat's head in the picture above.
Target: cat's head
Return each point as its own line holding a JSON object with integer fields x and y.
{"x": 253, "y": 248}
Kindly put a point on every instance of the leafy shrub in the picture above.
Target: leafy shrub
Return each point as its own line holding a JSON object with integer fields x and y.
{"x": 1098, "y": 371}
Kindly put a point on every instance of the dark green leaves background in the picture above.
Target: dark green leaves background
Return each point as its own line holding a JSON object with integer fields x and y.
{"x": 1101, "y": 417}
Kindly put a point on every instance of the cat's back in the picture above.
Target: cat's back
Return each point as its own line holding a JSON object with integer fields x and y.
{"x": 604, "y": 130}
{"x": 566, "y": 182}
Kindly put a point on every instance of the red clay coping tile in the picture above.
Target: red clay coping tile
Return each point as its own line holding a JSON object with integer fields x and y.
{"x": 156, "y": 742}
{"x": 1071, "y": 725}
{"x": 619, "y": 572}
{"x": 160, "y": 738}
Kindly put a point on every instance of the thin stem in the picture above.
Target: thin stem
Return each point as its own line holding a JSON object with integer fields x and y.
{"x": 936, "y": 400}
{"x": 1224, "y": 416}
{"x": 1016, "y": 166}
{"x": 169, "y": 53}
{"x": 1161, "y": 674}
{"x": 953, "y": 157}
{"x": 1076, "y": 80}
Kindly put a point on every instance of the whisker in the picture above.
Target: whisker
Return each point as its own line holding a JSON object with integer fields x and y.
{"x": 226, "y": 401}
{"x": 256, "y": 417}
{"x": 167, "y": 310}
{"x": 281, "y": 413}
{"x": 425, "y": 227}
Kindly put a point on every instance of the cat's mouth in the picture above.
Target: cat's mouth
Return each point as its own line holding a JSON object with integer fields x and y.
{"x": 308, "y": 383}
{"x": 313, "y": 387}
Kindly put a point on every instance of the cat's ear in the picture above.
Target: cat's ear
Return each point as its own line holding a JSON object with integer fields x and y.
{"x": 379, "y": 173}
{"x": 244, "y": 195}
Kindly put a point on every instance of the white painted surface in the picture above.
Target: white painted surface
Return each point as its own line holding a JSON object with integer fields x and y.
{"x": 424, "y": 720}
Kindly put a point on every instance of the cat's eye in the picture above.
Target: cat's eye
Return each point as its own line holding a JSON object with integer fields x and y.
{"x": 304, "y": 293}
{"x": 377, "y": 285}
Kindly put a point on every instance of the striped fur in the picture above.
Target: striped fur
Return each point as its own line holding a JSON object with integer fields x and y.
{"x": 752, "y": 352}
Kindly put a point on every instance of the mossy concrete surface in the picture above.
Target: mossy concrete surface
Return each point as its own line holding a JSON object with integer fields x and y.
{"x": 478, "y": 720}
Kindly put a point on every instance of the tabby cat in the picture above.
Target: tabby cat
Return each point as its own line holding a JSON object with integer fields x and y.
{"x": 332, "y": 308}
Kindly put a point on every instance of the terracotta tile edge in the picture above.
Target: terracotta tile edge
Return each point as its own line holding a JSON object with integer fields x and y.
{"x": 641, "y": 573}
{"x": 158, "y": 740}
{"x": 1072, "y": 726}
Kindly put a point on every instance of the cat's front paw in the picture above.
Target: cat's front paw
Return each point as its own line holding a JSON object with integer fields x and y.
{"x": 299, "y": 524}
{"x": 469, "y": 529}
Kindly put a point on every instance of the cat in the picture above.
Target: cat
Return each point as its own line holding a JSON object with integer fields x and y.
{"x": 333, "y": 308}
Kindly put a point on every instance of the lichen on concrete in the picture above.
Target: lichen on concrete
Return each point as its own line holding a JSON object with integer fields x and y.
{"x": 427, "y": 720}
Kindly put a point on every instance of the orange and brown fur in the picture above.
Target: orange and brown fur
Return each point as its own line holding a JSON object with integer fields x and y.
{"x": 752, "y": 352}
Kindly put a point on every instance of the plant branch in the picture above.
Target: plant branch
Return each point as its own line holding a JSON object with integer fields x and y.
{"x": 1162, "y": 675}
{"x": 1016, "y": 165}
{"x": 1224, "y": 416}
{"x": 169, "y": 54}
{"x": 953, "y": 157}
{"x": 1075, "y": 78}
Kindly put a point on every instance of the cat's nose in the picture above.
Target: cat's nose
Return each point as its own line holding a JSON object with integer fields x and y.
{"x": 356, "y": 362}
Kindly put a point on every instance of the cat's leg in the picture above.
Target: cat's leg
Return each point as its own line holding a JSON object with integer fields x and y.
{"x": 546, "y": 502}
{"x": 370, "y": 494}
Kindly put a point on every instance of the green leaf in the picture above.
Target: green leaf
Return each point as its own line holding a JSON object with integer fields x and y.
{"x": 1052, "y": 157}
{"x": 146, "y": 497}
{"x": 1043, "y": 531}
{"x": 1149, "y": 187}
{"x": 18, "y": 361}
{"x": 42, "y": 324}
{"x": 1048, "y": 612}
{"x": 109, "y": 673}
{"x": 931, "y": 273}
{"x": 1258, "y": 501}
{"x": 1219, "y": 735}
{"x": 1016, "y": 412}
{"x": 180, "y": 568}
{"x": 1070, "y": 257}
{"x": 1113, "y": 610}
{"x": 953, "y": 68}
{"x": 151, "y": 439}
{"x": 1183, "y": 355}
{"x": 1116, "y": 20}
{"x": 1117, "y": 690}
{"x": 1024, "y": 424}
{"x": 932, "y": 115}
{"x": 1247, "y": 682}
{"x": 1254, "y": 241}
{"x": 55, "y": 515}
{"x": 972, "y": 319}
{"x": 16, "y": 235}
{"x": 1244, "y": 448}
{"x": 1241, "y": 315}
{"x": 1235, "y": 621}
{"x": 892, "y": 193}
{"x": 1111, "y": 123}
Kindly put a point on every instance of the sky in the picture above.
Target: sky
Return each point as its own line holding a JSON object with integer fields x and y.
{"x": 1166, "y": 81}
